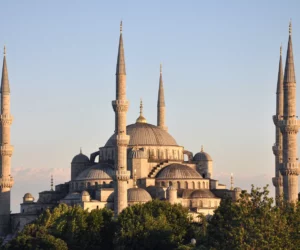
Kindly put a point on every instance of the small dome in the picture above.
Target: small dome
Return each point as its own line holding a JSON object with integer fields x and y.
{"x": 138, "y": 154}
{"x": 80, "y": 158}
{"x": 202, "y": 156}
{"x": 203, "y": 193}
{"x": 85, "y": 193}
{"x": 28, "y": 196}
{"x": 178, "y": 171}
{"x": 138, "y": 195}
{"x": 73, "y": 196}
{"x": 100, "y": 171}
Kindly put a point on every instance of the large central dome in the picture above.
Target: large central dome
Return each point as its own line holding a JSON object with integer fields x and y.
{"x": 145, "y": 134}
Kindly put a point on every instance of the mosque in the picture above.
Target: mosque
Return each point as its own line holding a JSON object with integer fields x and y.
{"x": 138, "y": 163}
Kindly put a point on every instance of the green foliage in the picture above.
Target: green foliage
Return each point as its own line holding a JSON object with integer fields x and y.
{"x": 154, "y": 225}
{"x": 253, "y": 223}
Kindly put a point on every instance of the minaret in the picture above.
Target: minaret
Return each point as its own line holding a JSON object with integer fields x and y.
{"x": 289, "y": 128}
{"x": 120, "y": 106}
{"x": 6, "y": 180}
{"x": 161, "y": 106}
{"x": 277, "y": 148}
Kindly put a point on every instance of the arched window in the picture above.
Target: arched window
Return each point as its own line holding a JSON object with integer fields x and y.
{"x": 193, "y": 185}
{"x": 191, "y": 203}
{"x": 170, "y": 183}
{"x": 166, "y": 154}
{"x": 186, "y": 185}
{"x": 96, "y": 184}
{"x": 200, "y": 204}
{"x": 89, "y": 184}
{"x": 199, "y": 185}
{"x": 203, "y": 184}
{"x": 178, "y": 184}
{"x": 163, "y": 184}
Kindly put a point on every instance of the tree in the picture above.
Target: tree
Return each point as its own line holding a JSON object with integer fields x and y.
{"x": 251, "y": 223}
{"x": 153, "y": 225}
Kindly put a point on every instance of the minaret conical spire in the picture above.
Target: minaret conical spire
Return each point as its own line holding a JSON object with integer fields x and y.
{"x": 161, "y": 106}
{"x": 289, "y": 73}
{"x": 4, "y": 81}
{"x": 121, "y": 57}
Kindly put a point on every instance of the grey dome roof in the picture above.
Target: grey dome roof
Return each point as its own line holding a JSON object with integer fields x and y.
{"x": 100, "y": 171}
{"x": 178, "y": 171}
{"x": 203, "y": 193}
{"x": 145, "y": 134}
{"x": 28, "y": 196}
{"x": 72, "y": 196}
{"x": 138, "y": 154}
{"x": 80, "y": 158}
{"x": 138, "y": 195}
{"x": 202, "y": 156}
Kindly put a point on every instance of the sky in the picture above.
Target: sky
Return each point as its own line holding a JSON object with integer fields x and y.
{"x": 220, "y": 64}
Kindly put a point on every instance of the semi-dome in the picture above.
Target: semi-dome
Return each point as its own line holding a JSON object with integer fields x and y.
{"x": 138, "y": 195}
{"x": 178, "y": 171}
{"x": 202, "y": 193}
{"x": 80, "y": 158}
{"x": 73, "y": 196}
{"x": 145, "y": 134}
{"x": 138, "y": 154}
{"x": 202, "y": 156}
{"x": 100, "y": 171}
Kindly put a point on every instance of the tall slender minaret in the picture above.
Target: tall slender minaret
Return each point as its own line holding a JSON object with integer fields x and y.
{"x": 161, "y": 106}
{"x": 120, "y": 106}
{"x": 289, "y": 127}
{"x": 277, "y": 148}
{"x": 6, "y": 150}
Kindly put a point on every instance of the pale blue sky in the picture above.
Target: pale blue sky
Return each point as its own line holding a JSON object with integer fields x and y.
{"x": 220, "y": 62}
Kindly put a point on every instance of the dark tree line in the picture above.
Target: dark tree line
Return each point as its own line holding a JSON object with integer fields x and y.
{"x": 251, "y": 223}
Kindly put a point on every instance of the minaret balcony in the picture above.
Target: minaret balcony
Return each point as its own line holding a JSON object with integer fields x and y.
{"x": 120, "y": 105}
{"x": 277, "y": 181}
{"x": 6, "y": 182}
{"x": 6, "y": 119}
{"x": 290, "y": 125}
{"x": 6, "y": 150}
{"x": 122, "y": 175}
{"x": 276, "y": 149}
{"x": 290, "y": 168}
{"x": 275, "y": 119}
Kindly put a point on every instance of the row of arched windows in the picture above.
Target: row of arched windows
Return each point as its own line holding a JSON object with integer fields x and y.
{"x": 199, "y": 203}
{"x": 83, "y": 185}
{"x": 185, "y": 185}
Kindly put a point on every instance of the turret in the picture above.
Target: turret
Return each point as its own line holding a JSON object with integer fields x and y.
{"x": 277, "y": 148}
{"x": 289, "y": 127}
{"x": 6, "y": 180}
{"x": 161, "y": 106}
{"x": 120, "y": 106}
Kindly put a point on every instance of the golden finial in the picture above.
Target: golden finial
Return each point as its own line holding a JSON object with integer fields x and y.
{"x": 201, "y": 148}
{"x": 51, "y": 182}
{"x": 290, "y": 27}
{"x": 281, "y": 50}
{"x": 231, "y": 181}
{"x": 4, "y": 50}
{"x": 121, "y": 26}
{"x": 160, "y": 68}
{"x": 141, "y": 118}
{"x": 134, "y": 179}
